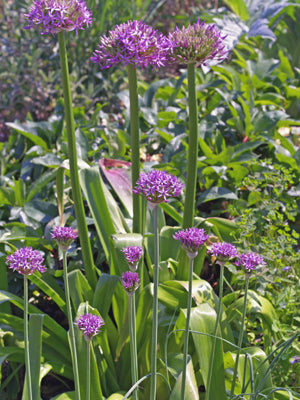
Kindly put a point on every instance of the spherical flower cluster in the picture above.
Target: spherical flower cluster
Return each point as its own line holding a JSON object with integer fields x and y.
{"x": 53, "y": 16}
{"x": 133, "y": 255}
{"x": 26, "y": 261}
{"x": 249, "y": 261}
{"x": 64, "y": 236}
{"x": 90, "y": 325}
{"x": 197, "y": 44}
{"x": 158, "y": 186}
{"x": 191, "y": 239}
{"x": 130, "y": 281}
{"x": 133, "y": 43}
{"x": 223, "y": 251}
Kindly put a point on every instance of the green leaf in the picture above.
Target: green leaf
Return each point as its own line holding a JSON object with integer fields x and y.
{"x": 65, "y": 396}
{"x": 104, "y": 292}
{"x": 80, "y": 290}
{"x": 29, "y": 133}
{"x": 214, "y": 193}
{"x": 7, "y": 196}
{"x": 39, "y": 184}
{"x": 191, "y": 389}
{"x": 49, "y": 160}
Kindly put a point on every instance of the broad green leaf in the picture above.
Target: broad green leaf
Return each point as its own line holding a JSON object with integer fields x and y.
{"x": 7, "y": 196}
{"x": 172, "y": 212}
{"x": 39, "y": 183}
{"x": 29, "y": 133}
{"x": 80, "y": 290}
{"x": 191, "y": 389}
{"x": 224, "y": 226}
{"x": 49, "y": 160}
{"x": 4, "y": 307}
{"x": 216, "y": 193}
{"x": 104, "y": 292}
{"x": 168, "y": 245}
{"x": 65, "y": 396}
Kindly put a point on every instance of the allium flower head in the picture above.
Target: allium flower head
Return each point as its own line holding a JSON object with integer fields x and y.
{"x": 64, "y": 236}
{"x": 158, "y": 186}
{"x": 53, "y": 16}
{"x": 133, "y": 255}
{"x": 130, "y": 281}
{"x": 223, "y": 251}
{"x": 197, "y": 44}
{"x": 90, "y": 325}
{"x": 132, "y": 43}
{"x": 250, "y": 261}
{"x": 191, "y": 239}
{"x": 26, "y": 261}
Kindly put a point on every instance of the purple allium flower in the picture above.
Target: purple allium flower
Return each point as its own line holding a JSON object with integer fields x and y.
{"x": 223, "y": 251}
{"x": 250, "y": 261}
{"x": 64, "y": 236}
{"x": 133, "y": 255}
{"x": 130, "y": 281}
{"x": 158, "y": 186}
{"x": 90, "y": 325}
{"x": 132, "y": 43}
{"x": 191, "y": 239}
{"x": 197, "y": 44}
{"x": 26, "y": 261}
{"x": 53, "y": 16}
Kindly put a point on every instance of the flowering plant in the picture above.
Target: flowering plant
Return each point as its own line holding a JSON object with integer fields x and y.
{"x": 90, "y": 325}
{"x": 26, "y": 261}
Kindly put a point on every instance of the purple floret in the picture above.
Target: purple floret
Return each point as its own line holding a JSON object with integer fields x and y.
{"x": 158, "y": 186}
{"x": 249, "y": 261}
{"x": 191, "y": 239}
{"x": 90, "y": 325}
{"x": 133, "y": 43}
{"x": 133, "y": 255}
{"x": 53, "y": 16}
{"x": 26, "y": 261}
{"x": 64, "y": 236}
{"x": 130, "y": 281}
{"x": 223, "y": 251}
{"x": 198, "y": 43}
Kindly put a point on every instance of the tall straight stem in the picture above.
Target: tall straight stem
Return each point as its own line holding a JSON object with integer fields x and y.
{"x": 87, "y": 255}
{"x": 135, "y": 147}
{"x": 88, "y": 370}
{"x": 71, "y": 328}
{"x": 189, "y": 205}
{"x": 133, "y": 346}
{"x": 219, "y": 313}
{"x": 241, "y": 334}
{"x": 155, "y": 307}
{"x": 187, "y": 326}
{"x": 26, "y": 339}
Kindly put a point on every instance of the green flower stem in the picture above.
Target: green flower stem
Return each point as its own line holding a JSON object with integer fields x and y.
{"x": 88, "y": 370}
{"x": 240, "y": 340}
{"x": 155, "y": 307}
{"x": 187, "y": 326}
{"x": 87, "y": 255}
{"x": 26, "y": 339}
{"x": 71, "y": 328}
{"x": 189, "y": 205}
{"x": 135, "y": 147}
{"x": 133, "y": 347}
{"x": 218, "y": 319}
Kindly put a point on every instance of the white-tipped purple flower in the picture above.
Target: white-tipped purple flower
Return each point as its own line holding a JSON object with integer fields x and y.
{"x": 90, "y": 325}
{"x": 250, "y": 261}
{"x": 198, "y": 43}
{"x": 132, "y": 255}
{"x": 191, "y": 239}
{"x": 53, "y": 16}
{"x": 133, "y": 43}
{"x": 26, "y": 261}
{"x": 158, "y": 186}
{"x": 64, "y": 236}
{"x": 130, "y": 282}
{"x": 223, "y": 251}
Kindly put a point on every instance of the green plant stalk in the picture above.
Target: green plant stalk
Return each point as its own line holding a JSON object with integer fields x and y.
{"x": 71, "y": 328}
{"x": 187, "y": 326}
{"x": 88, "y": 370}
{"x": 240, "y": 339}
{"x": 87, "y": 255}
{"x": 218, "y": 319}
{"x": 155, "y": 307}
{"x": 26, "y": 339}
{"x": 135, "y": 147}
{"x": 133, "y": 346}
{"x": 190, "y": 193}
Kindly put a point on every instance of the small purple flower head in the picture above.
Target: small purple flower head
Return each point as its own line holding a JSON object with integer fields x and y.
{"x": 223, "y": 251}
{"x": 133, "y": 255}
{"x": 250, "y": 261}
{"x": 287, "y": 268}
{"x": 295, "y": 359}
{"x": 53, "y": 16}
{"x": 133, "y": 43}
{"x": 64, "y": 236}
{"x": 90, "y": 325}
{"x": 198, "y": 43}
{"x": 191, "y": 239}
{"x": 130, "y": 282}
{"x": 158, "y": 186}
{"x": 26, "y": 261}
